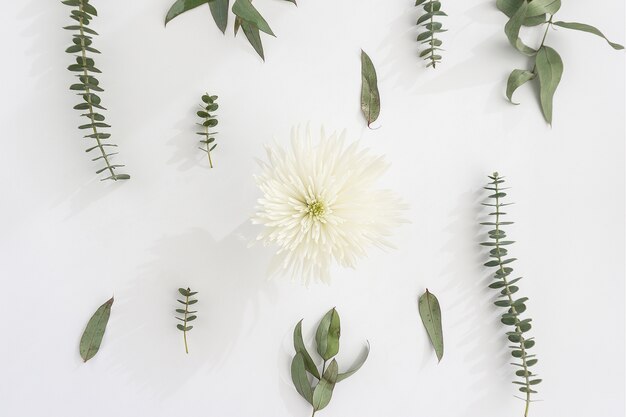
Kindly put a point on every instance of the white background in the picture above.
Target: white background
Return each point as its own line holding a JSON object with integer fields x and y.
{"x": 69, "y": 241}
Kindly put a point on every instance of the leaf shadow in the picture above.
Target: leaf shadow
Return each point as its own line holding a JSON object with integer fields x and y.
{"x": 482, "y": 343}
{"x": 228, "y": 287}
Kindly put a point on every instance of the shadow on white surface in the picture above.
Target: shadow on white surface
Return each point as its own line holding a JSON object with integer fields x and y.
{"x": 224, "y": 273}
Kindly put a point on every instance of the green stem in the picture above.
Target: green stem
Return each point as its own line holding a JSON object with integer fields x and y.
{"x": 88, "y": 92}
{"x": 185, "y": 321}
{"x": 543, "y": 40}
{"x": 208, "y": 145}
{"x": 508, "y": 293}
{"x": 432, "y": 40}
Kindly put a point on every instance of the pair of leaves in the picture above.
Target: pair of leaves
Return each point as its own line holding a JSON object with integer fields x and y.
{"x": 247, "y": 17}
{"x": 327, "y": 341}
{"x": 430, "y": 312}
{"x": 370, "y": 97}
{"x": 548, "y": 70}
{"x": 94, "y": 332}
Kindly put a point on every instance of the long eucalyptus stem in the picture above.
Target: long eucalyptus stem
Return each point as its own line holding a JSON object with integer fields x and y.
{"x": 516, "y": 307}
{"x": 510, "y": 298}
{"x": 88, "y": 86}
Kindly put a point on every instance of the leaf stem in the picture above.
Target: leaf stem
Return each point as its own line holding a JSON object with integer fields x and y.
{"x": 88, "y": 93}
{"x": 432, "y": 38}
{"x": 185, "y": 321}
{"x": 208, "y": 145}
{"x": 508, "y": 294}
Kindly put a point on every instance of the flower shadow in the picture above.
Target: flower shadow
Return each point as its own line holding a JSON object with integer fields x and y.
{"x": 228, "y": 287}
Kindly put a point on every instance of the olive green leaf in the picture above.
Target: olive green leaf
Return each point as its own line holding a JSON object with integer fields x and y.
{"x": 549, "y": 70}
{"x": 589, "y": 29}
{"x": 517, "y": 78}
{"x": 431, "y": 317}
{"x": 246, "y": 11}
{"x": 509, "y": 7}
{"x": 327, "y": 335}
{"x": 324, "y": 389}
{"x": 300, "y": 379}
{"x": 219, "y": 11}
{"x": 94, "y": 332}
{"x": 298, "y": 345}
{"x": 512, "y": 28}
{"x": 254, "y": 37}
{"x": 541, "y": 7}
{"x": 356, "y": 366}
{"x": 370, "y": 97}
{"x": 181, "y": 6}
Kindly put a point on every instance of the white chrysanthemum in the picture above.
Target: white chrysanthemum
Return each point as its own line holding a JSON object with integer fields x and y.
{"x": 320, "y": 203}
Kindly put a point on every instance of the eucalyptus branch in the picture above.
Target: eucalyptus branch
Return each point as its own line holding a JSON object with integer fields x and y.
{"x": 547, "y": 63}
{"x": 187, "y": 314}
{"x": 516, "y": 307}
{"x": 83, "y": 12}
{"x": 208, "y": 121}
{"x": 432, "y": 8}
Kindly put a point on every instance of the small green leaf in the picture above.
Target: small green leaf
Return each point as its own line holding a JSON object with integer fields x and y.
{"x": 370, "y": 97}
{"x": 298, "y": 344}
{"x": 549, "y": 70}
{"x": 246, "y": 11}
{"x": 589, "y": 29}
{"x": 182, "y": 6}
{"x": 517, "y": 78}
{"x": 254, "y": 37}
{"x": 300, "y": 379}
{"x": 219, "y": 11}
{"x": 356, "y": 366}
{"x": 324, "y": 390}
{"x": 430, "y": 313}
{"x": 94, "y": 332}
{"x": 327, "y": 335}
{"x": 512, "y": 29}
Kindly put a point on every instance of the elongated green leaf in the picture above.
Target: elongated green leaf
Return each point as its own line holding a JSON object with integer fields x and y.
{"x": 431, "y": 317}
{"x": 300, "y": 379}
{"x": 370, "y": 97}
{"x": 181, "y": 6}
{"x": 512, "y": 28}
{"x": 94, "y": 332}
{"x": 589, "y": 29}
{"x": 324, "y": 390}
{"x": 219, "y": 11}
{"x": 298, "y": 344}
{"x": 356, "y": 366}
{"x": 517, "y": 78}
{"x": 509, "y": 7}
{"x": 254, "y": 37}
{"x": 540, "y": 7}
{"x": 245, "y": 10}
{"x": 549, "y": 70}
{"x": 327, "y": 335}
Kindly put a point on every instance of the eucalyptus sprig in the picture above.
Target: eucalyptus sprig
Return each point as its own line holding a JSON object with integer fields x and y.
{"x": 188, "y": 315}
{"x": 515, "y": 307}
{"x": 87, "y": 87}
{"x": 247, "y": 17}
{"x": 547, "y": 64}
{"x": 209, "y": 120}
{"x": 304, "y": 370}
{"x": 432, "y": 9}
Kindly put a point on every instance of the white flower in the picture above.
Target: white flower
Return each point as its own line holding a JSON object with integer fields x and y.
{"x": 320, "y": 203}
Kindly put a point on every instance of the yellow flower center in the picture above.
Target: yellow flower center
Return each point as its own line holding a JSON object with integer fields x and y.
{"x": 317, "y": 209}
